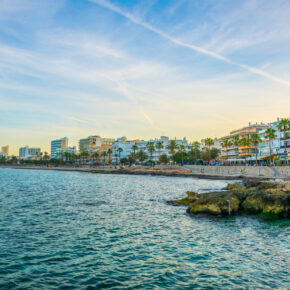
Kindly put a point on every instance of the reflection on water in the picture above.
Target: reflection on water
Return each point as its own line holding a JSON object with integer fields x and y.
{"x": 78, "y": 230}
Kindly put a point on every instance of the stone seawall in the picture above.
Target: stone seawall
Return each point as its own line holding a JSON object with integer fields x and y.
{"x": 248, "y": 171}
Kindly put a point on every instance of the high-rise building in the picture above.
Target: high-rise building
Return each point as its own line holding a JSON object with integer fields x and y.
{"x": 29, "y": 153}
{"x": 95, "y": 143}
{"x": 58, "y": 144}
{"x": 5, "y": 150}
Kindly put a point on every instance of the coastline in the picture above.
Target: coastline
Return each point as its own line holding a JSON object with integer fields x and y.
{"x": 175, "y": 171}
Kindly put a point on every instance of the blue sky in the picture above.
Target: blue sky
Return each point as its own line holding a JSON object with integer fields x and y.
{"x": 140, "y": 68}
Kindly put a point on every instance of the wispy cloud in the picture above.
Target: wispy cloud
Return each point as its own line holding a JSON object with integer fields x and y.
{"x": 178, "y": 42}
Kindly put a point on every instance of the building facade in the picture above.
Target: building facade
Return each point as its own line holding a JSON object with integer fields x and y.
{"x": 238, "y": 152}
{"x": 66, "y": 153}
{"x": 96, "y": 143}
{"x": 127, "y": 147}
{"x": 58, "y": 144}
{"x": 27, "y": 153}
{"x": 280, "y": 146}
{"x": 5, "y": 150}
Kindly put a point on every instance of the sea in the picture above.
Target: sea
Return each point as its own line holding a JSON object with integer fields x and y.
{"x": 76, "y": 230}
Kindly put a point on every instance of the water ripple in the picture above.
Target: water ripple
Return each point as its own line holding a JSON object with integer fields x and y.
{"x": 73, "y": 230}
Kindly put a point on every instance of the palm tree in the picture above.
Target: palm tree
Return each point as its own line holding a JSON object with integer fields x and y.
{"x": 226, "y": 144}
{"x": 172, "y": 146}
{"x": 159, "y": 146}
{"x": 116, "y": 156}
{"x": 104, "y": 154}
{"x": 195, "y": 146}
{"x": 255, "y": 139}
{"x": 270, "y": 135}
{"x": 109, "y": 151}
{"x": 151, "y": 148}
{"x": 208, "y": 142}
{"x": 119, "y": 151}
{"x": 95, "y": 156}
{"x": 284, "y": 126}
{"x": 181, "y": 150}
{"x": 134, "y": 148}
{"x": 45, "y": 157}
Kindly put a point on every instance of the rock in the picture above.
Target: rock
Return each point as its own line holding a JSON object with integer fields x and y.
{"x": 216, "y": 203}
{"x": 266, "y": 199}
{"x": 191, "y": 196}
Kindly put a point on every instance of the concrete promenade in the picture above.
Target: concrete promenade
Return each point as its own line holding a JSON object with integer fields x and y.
{"x": 198, "y": 171}
{"x": 247, "y": 171}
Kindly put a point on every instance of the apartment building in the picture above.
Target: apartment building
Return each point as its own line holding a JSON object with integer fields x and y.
{"x": 5, "y": 150}
{"x": 238, "y": 152}
{"x": 58, "y": 144}
{"x": 27, "y": 153}
{"x": 280, "y": 146}
{"x": 95, "y": 144}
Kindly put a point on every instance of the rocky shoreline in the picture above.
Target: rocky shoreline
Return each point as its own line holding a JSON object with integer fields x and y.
{"x": 260, "y": 198}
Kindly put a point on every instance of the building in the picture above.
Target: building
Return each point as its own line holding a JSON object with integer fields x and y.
{"x": 127, "y": 147}
{"x": 93, "y": 144}
{"x": 58, "y": 144}
{"x": 238, "y": 152}
{"x": 5, "y": 150}
{"x": 279, "y": 145}
{"x": 27, "y": 153}
{"x": 217, "y": 144}
{"x": 65, "y": 153}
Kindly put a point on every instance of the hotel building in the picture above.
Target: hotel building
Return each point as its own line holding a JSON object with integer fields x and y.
{"x": 239, "y": 152}
{"x": 5, "y": 150}
{"x": 93, "y": 144}
{"x": 58, "y": 144}
{"x": 27, "y": 153}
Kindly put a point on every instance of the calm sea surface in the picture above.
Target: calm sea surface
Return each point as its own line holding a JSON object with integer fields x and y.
{"x": 79, "y": 230}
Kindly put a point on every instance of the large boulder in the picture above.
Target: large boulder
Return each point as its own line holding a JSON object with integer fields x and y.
{"x": 216, "y": 203}
{"x": 266, "y": 199}
{"x": 272, "y": 202}
{"x": 191, "y": 197}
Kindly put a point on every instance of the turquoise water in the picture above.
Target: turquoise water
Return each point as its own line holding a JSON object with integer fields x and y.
{"x": 77, "y": 230}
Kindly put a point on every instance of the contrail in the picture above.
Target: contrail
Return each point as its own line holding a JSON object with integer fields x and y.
{"x": 178, "y": 42}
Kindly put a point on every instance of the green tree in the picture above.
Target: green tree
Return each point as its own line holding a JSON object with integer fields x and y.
{"x": 205, "y": 155}
{"x": 120, "y": 150}
{"x": 110, "y": 152}
{"x": 159, "y": 146}
{"x": 195, "y": 147}
{"x": 134, "y": 148}
{"x": 151, "y": 148}
{"x": 227, "y": 144}
{"x": 95, "y": 156}
{"x": 181, "y": 150}
{"x": 255, "y": 140}
{"x": 163, "y": 159}
{"x": 142, "y": 156}
{"x": 172, "y": 147}
{"x": 132, "y": 158}
{"x": 284, "y": 126}
{"x": 270, "y": 135}
{"x": 104, "y": 155}
{"x": 209, "y": 142}
{"x": 214, "y": 153}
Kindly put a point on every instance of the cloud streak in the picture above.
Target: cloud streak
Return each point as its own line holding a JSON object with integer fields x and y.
{"x": 178, "y": 42}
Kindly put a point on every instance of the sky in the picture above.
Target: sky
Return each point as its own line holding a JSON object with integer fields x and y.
{"x": 140, "y": 68}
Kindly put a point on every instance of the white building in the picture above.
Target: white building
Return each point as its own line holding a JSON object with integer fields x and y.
{"x": 27, "y": 153}
{"x": 278, "y": 145}
{"x": 58, "y": 144}
{"x": 127, "y": 147}
{"x": 65, "y": 153}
